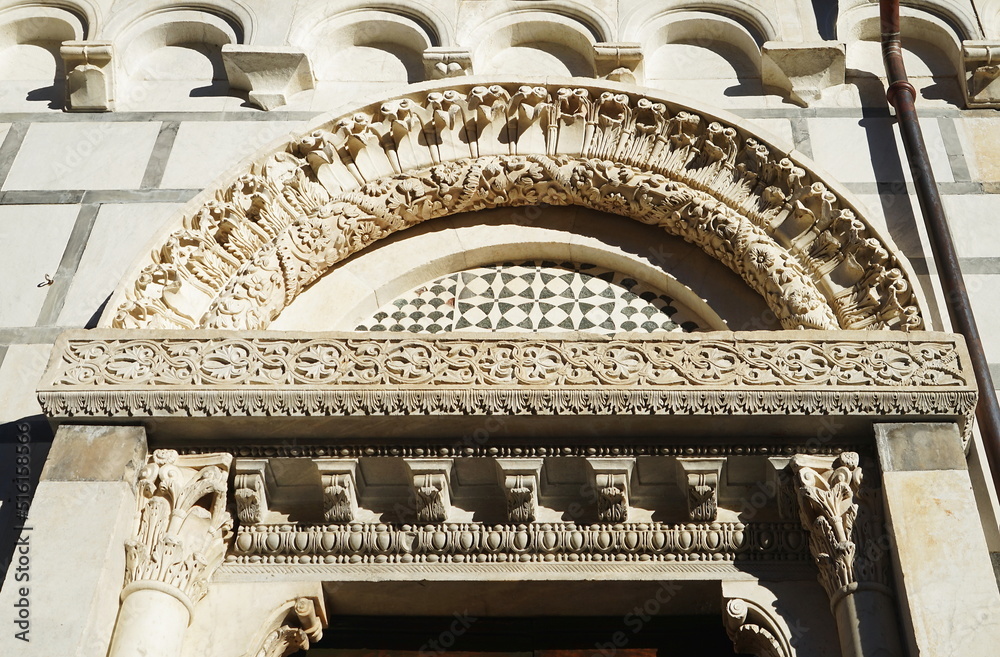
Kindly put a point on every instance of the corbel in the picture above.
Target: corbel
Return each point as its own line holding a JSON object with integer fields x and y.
{"x": 446, "y": 63}
{"x": 431, "y": 481}
{"x": 981, "y": 61}
{"x": 341, "y": 489}
{"x": 253, "y": 483}
{"x": 271, "y": 76}
{"x": 802, "y": 71}
{"x": 619, "y": 62}
{"x": 781, "y": 482}
{"x": 520, "y": 479}
{"x": 699, "y": 479}
{"x": 611, "y": 483}
{"x": 90, "y": 82}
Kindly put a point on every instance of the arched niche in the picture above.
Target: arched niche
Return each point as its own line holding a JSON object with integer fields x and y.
{"x": 175, "y": 56}
{"x": 376, "y": 46}
{"x": 533, "y": 44}
{"x": 241, "y": 252}
{"x": 932, "y": 50}
{"x": 30, "y": 37}
{"x": 716, "y": 52}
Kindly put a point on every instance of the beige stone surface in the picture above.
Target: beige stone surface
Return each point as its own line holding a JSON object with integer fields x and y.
{"x": 34, "y": 238}
{"x": 981, "y": 137}
{"x": 21, "y": 369}
{"x": 84, "y": 155}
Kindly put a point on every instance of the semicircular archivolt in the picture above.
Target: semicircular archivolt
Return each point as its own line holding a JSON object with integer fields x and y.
{"x": 246, "y": 253}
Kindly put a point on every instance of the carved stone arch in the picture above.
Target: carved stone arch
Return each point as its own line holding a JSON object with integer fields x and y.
{"x": 756, "y": 22}
{"x": 244, "y": 251}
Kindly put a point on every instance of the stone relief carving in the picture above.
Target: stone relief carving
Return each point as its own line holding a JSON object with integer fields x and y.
{"x": 182, "y": 526}
{"x": 520, "y": 481}
{"x": 298, "y": 627}
{"x": 347, "y": 374}
{"x": 249, "y": 251}
{"x": 250, "y": 490}
{"x": 536, "y": 542}
{"x": 700, "y": 480}
{"x": 611, "y": 483}
{"x": 827, "y": 493}
{"x": 751, "y": 631}
{"x": 431, "y": 488}
{"x": 340, "y": 488}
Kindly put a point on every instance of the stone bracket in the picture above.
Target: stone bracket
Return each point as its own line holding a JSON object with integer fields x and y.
{"x": 699, "y": 477}
{"x": 619, "y": 62}
{"x": 90, "y": 80}
{"x": 442, "y": 62}
{"x": 981, "y": 60}
{"x": 341, "y": 489}
{"x": 270, "y": 75}
{"x": 781, "y": 485}
{"x": 431, "y": 488}
{"x": 802, "y": 71}
{"x": 253, "y": 484}
{"x": 520, "y": 479}
{"x": 612, "y": 478}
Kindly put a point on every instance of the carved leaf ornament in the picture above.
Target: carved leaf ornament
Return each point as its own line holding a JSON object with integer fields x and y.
{"x": 248, "y": 250}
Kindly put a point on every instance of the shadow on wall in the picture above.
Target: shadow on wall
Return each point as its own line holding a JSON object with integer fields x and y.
{"x": 24, "y": 446}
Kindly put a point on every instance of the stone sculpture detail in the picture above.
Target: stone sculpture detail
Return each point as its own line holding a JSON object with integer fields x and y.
{"x": 246, "y": 253}
{"x": 183, "y": 525}
{"x": 302, "y": 626}
{"x": 340, "y": 489}
{"x": 250, "y": 488}
{"x": 700, "y": 478}
{"x": 520, "y": 481}
{"x": 750, "y": 632}
{"x": 431, "y": 488}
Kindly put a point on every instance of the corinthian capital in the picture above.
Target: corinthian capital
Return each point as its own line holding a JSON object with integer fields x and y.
{"x": 826, "y": 490}
{"x": 182, "y": 523}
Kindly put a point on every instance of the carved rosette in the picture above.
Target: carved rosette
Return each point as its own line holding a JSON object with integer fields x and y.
{"x": 183, "y": 525}
{"x": 828, "y": 510}
{"x": 246, "y": 253}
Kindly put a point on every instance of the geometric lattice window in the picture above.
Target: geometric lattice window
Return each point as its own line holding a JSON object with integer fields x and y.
{"x": 532, "y": 296}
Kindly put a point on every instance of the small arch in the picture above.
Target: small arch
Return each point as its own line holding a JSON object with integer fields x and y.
{"x": 532, "y": 43}
{"x": 368, "y": 45}
{"x": 30, "y": 37}
{"x": 754, "y": 22}
{"x": 931, "y": 50}
{"x": 177, "y": 52}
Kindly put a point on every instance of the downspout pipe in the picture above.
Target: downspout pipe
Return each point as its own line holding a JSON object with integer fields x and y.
{"x": 901, "y": 96}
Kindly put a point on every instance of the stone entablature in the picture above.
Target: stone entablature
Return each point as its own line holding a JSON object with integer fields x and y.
{"x": 244, "y": 251}
{"x": 108, "y": 374}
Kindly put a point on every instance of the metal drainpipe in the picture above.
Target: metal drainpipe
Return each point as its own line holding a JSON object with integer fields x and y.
{"x": 902, "y": 95}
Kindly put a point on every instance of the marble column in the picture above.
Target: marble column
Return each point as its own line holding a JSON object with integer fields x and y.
{"x": 944, "y": 578}
{"x": 179, "y": 542}
{"x": 845, "y": 526}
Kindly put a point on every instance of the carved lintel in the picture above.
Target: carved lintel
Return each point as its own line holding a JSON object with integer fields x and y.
{"x": 183, "y": 526}
{"x": 520, "y": 479}
{"x": 341, "y": 489}
{"x": 446, "y": 63}
{"x": 751, "y": 632}
{"x": 431, "y": 488}
{"x": 611, "y": 483}
{"x": 826, "y": 490}
{"x": 297, "y": 625}
{"x": 982, "y": 70}
{"x": 271, "y": 75}
{"x": 90, "y": 81}
{"x": 250, "y": 488}
{"x": 618, "y": 61}
{"x": 699, "y": 478}
{"x": 781, "y": 483}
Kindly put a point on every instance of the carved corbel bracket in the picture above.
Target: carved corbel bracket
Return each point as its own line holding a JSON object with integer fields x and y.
{"x": 826, "y": 490}
{"x": 447, "y": 63}
{"x": 620, "y": 62}
{"x": 981, "y": 61}
{"x": 612, "y": 478}
{"x": 297, "y": 625}
{"x": 182, "y": 526}
{"x": 802, "y": 71}
{"x": 431, "y": 488}
{"x": 520, "y": 479}
{"x": 90, "y": 81}
{"x": 780, "y": 481}
{"x": 270, "y": 75}
{"x": 699, "y": 478}
{"x": 341, "y": 489}
{"x": 752, "y": 631}
{"x": 252, "y": 485}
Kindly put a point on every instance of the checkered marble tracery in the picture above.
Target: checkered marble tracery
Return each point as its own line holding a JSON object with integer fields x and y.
{"x": 532, "y": 296}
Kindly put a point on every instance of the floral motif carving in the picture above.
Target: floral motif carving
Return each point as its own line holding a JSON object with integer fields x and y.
{"x": 520, "y": 481}
{"x": 700, "y": 479}
{"x": 250, "y": 490}
{"x": 183, "y": 524}
{"x": 247, "y": 252}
